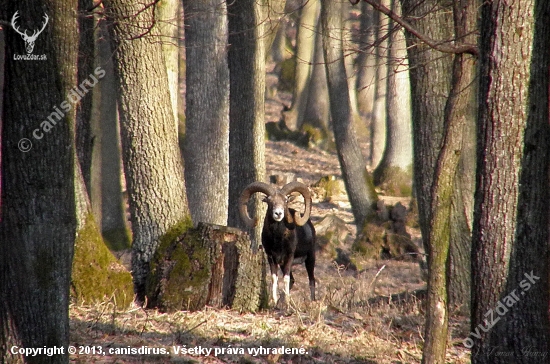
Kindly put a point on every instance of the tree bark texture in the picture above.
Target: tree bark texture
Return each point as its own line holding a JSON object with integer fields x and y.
{"x": 305, "y": 50}
{"x": 366, "y": 62}
{"x": 357, "y": 180}
{"x": 430, "y": 73}
{"x": 378, "y": 121}
{"x": 510, "y": 236}
{"x": 167, "y": 12}
{"x": 461, "y": 108}
{"x": 443, "y": 193}
{"x": 394, "y": 172}
{"x": 317, "y": 112}
{"x": 206, "y": 147}
{"x": 152, "y": 159}
{"x": 38, "y": 225}
{"x": 246, "y": 107}
{"x": 431, "y": 77}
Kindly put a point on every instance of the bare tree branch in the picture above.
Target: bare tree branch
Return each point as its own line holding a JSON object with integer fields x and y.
{"x": 456, "y": 48}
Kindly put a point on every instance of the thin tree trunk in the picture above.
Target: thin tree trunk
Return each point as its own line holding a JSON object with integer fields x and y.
{"x": 439, "y": 240}
{"x": 394, "y": 173}
{"x": 378, "y": 122}
{"x": 84, "y": 134}
{"x": 206, "y": 149}
{"x": 366, "y": 62}
{"x": 167, "y": 21}
{"x": 305, "y": 45}
{"x": 152, "y": 159}
{"x": 38, "y": 225}
{"x": 317, "y": 112}
{"x": 430, "y": 73}
{"x": 274, "y": 13}
{"x": 357, "y": 180}
{"x": 106, "y": 190}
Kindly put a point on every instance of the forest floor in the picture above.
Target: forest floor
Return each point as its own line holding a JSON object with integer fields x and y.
{"x": 354, "y": 320}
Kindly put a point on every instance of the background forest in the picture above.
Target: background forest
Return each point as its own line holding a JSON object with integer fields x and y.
{"x": 129, "y": 129}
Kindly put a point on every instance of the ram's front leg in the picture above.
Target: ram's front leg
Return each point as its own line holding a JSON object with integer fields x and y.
{"x": 274, "y": 280}
{"x": 287, "y": 276}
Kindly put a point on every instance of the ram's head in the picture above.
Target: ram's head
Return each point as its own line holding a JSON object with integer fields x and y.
{"x": 277, "y": 201}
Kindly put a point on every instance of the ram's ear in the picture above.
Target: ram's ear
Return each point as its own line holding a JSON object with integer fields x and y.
{"x": 291, "y": 198}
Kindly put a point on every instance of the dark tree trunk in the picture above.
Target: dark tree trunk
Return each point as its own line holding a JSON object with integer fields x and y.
{"x": 84, "y": 132}
{"x": 206, "y": 149}
{"x": 510, "y": 236}
{"x": 2, "y": 63}
{"x": 106, "y": 192}
{"x": 246, "y": 106}
{"x": 152, "y": 159}
{"x": 38, "y": 224}
{"x": 357, "y": 180}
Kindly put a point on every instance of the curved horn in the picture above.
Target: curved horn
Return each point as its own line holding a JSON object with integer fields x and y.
{"x": 301, "y": 188}
{"x": 245, "y": 196}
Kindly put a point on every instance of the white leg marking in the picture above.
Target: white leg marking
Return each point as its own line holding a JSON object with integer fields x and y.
{"x": 287, "y": 285}
{"x": 274, "y": 281}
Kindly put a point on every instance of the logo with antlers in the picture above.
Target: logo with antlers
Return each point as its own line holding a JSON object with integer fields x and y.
{"x": 29, "y": 40}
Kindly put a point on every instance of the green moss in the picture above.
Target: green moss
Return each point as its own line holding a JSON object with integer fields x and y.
{"x": 179, "y": 270}
{"x": 371, "y": 241}
{"x": 118, "y": 239}
{"x": 96, "y": 274}
{"x": 288, "y": 71}
{"x": 394, "y": 181}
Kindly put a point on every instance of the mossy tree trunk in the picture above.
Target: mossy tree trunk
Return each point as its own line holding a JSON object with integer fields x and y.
{"x": 152, "y": 159}
{"x": 437, "y": 312}
{"x": 209, "y": 265}
{"x": 356, "y": 178}
{"x": 510, "y": 236}
{"x": 38, "y": 225}
{"x": 206, "y": 147}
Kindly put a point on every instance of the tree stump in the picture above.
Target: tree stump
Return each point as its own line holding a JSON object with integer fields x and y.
{"x": 209, "y": 265}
